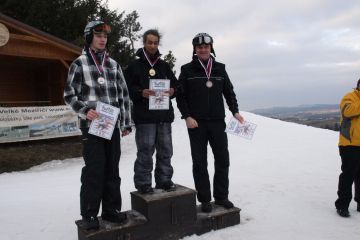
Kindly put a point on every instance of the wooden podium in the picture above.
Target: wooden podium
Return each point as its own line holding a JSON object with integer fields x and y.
{"x": 163, "y": 216}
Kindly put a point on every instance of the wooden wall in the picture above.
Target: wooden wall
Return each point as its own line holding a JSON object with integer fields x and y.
{"x": 33, "y": 66}
{"x": 31, "y": 82}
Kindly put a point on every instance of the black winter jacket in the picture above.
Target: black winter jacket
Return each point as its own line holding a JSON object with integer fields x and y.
{"x": 200, "y": 102}
{"x": 138, "y": 78}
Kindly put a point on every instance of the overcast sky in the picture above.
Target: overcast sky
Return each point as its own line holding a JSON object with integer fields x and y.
{"x": 277, "y": 52}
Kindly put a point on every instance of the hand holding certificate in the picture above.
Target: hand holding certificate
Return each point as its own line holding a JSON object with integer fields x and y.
{"x": 103, "y": 126}
{"x": 161, "y": 100}
{"x": 244, "y": 130}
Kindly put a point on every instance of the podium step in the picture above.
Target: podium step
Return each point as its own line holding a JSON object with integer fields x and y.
{"x": 218, "y": 218}
{"x": 109, "y": 230}
{"x": 163, "y": 216}
{"x": 166, "y": 208}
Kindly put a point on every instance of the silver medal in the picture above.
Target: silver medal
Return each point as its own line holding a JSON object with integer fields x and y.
{"x": 209, "y": 84}
{"x": 101, "y": 80}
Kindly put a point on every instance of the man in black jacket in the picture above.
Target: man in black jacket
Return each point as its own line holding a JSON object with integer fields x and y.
{"x": 153, "y": 127}
{"x": 204, "y": 82}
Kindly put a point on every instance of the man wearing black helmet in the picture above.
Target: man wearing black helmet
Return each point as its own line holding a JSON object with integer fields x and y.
{"x": 95, "y": 77}
{"x": 153, "y": 127}
{"x": 205, "y": 82}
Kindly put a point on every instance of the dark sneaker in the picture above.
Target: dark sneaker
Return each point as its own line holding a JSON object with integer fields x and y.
{"x": 89, "y": 223}
{"x": 206, "y": 207}
{"x": 146, "y": 190}
{"x": 343, "y": 212}
{"x": 225, "y": 203}
{"x": 358, "y": 207}
{"x": 117, "y": 216}
{"x": 169, "y": 187}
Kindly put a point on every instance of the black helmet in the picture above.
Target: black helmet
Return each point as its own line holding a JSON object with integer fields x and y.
{"x": 203, "y": 38}
{"x": 97, "y": 27}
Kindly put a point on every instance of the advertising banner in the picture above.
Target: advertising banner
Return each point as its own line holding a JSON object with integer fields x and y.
{"x": 31, "y": 123}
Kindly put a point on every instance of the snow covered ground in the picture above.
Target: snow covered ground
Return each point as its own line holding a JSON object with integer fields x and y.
{"x": 284, "y": 180}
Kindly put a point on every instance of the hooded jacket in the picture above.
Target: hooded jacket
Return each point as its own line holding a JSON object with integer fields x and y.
{"x": 350, "y": 119}
{"x": 138, "y": 79}
{"x": 201, "y": 102}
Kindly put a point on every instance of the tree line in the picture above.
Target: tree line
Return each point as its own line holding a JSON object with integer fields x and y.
{"x": 66, "y": 19}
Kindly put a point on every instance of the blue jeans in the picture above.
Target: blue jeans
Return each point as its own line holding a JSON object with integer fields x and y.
{"x": 148, "y": 138}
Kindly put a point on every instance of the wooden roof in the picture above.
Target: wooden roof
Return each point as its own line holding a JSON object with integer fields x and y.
{"x": 27, "y": 41}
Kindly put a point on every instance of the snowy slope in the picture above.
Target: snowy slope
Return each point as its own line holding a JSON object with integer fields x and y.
{"x": 284, "y": 180}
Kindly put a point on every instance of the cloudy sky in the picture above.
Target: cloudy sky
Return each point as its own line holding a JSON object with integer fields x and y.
{"x": 277, "y": 52}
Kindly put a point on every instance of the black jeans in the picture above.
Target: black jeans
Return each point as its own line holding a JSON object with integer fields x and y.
{"x": 213, "y": 132}
{"x": 148, "y": 138}
{"x": 100, "y": 180}
{"x": 350, "y": 167}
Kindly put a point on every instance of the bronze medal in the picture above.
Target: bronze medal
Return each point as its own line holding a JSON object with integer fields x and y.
{"x": 207, "y": 70}
{"x": 152, "y": 72}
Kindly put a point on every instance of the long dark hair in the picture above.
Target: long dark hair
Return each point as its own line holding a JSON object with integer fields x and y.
{"x": 152, "y": 31}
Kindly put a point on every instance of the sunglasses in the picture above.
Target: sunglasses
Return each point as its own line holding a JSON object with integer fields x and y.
{"x": 102, "y": 28}
{"x": 203, "y": 39}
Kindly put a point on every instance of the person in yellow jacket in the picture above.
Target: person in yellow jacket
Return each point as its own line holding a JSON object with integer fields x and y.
{"x": 349, "y": 147}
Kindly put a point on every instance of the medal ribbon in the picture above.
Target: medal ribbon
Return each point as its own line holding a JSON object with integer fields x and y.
{"x": 99, "y": 68}
{"x": 208, "y": 67}
{"x": 149, "y": 61}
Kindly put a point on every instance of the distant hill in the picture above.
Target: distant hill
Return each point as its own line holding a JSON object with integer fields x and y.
{"x": 297, "y": 109}
{"x": 317, "y": 115}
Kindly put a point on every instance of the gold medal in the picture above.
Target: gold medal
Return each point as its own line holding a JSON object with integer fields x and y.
{"x": 209, "y": 84}
{"x": 152, "y": 72}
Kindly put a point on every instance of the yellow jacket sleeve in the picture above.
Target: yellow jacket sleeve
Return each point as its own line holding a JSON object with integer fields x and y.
{"x": 350, "y": 104}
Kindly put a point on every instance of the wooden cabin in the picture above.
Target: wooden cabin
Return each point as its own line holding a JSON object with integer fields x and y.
{"x": 33, "y": 65}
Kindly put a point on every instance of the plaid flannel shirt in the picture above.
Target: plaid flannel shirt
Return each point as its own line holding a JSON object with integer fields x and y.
{"x": 82, "y": 91}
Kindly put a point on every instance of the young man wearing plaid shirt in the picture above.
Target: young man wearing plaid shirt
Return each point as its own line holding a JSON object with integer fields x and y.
{"x": 94, "y": 77}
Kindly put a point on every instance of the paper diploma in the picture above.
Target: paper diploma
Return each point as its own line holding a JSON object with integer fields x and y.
{"x": 104, "y": 125}
{"x": 161, "y": 100}
{"x": 245, "y": 130}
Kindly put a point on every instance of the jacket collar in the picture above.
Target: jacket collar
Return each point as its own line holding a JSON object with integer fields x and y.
{"x": 195, "y": 62}
{"x": 141, "y": 55}
{"x": 86, "y": 52}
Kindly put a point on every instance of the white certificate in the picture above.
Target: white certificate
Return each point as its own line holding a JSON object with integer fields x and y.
{"x": 245, "y": 130}
{"x": 161, "y": 100}
{"x": 104, "y": 125}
